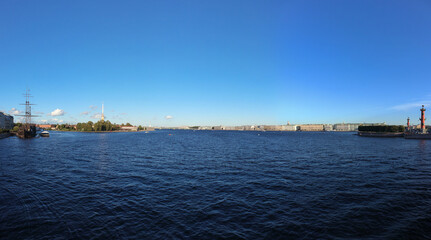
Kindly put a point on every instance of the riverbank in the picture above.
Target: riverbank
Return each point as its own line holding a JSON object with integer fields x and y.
{"x": 381, "y": 134}
{"x": 5, "y": 135}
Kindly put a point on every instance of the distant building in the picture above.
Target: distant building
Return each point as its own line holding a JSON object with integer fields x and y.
{"x": 129, "y": 128}
{"x": 289, "y": 127}
{"x": 328, "y": 127}
{"x": 346, "y": 127}
{"x": 351, "y": 127}
{"x": 6, "y": 121}
{"x": 44, "y": 126}
{"x": 248, "y": 128}
{"x": 311, "y": 127}
{"x": 271, "y": 127}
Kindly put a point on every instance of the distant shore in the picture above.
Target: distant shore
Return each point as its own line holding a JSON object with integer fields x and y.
{"x": 55, "y": 130}
{"x": 5, "y": 135}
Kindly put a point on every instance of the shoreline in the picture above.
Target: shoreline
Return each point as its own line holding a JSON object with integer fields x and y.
{"x": 100, "y": 131}
{"x": 6, "y": 135}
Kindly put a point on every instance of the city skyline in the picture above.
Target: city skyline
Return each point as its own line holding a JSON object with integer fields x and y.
{"x": 169, "y": 63}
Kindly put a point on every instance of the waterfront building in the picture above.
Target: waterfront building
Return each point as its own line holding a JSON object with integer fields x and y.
{"x": 129, "y": 128}
{"x": 6, "y": 121}
{"x": 289, "y": 128}
{"x": 272, "y": 127}
{"x": 44, "y": 126}
{"x": 328, "y": 127}
{"x": 248, "y": 128}
{"x": 351, "y": 127}
{"x": 311, "y": 127}
{"x": 346, "y": 127}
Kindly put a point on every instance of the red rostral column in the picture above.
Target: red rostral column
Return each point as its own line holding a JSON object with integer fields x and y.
{"x": 422, "y": 118}
{"x": 408, "y": 122}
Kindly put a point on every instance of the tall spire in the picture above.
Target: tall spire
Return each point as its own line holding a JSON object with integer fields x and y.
{"x": 103, "y": 116}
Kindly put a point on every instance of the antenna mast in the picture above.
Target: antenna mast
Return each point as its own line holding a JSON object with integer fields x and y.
{"x": 27, "y": 104}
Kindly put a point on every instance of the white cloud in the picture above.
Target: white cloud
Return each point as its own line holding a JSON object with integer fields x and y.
{"x": 92, "y": 107}
{"x": 56, "y": 112}
{"x": 407, "y": 106}
{"x": 169, "y": 117}
{"x": 44, "y": 121}
{"x": 60, "y": 121}
{"x": 39, "y": 112}
{"x": 96, "y": 116}
{"x": 85, "y": 113}
{"x": 14, "y": 111}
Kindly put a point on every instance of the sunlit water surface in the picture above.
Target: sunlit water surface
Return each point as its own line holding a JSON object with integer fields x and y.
{"x": 214, "y": 184}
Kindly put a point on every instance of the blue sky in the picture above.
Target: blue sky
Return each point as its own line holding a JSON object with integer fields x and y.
{"x": 217, "y": 62}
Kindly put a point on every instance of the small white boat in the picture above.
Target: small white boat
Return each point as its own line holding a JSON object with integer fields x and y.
{"x": 44, "y": 134}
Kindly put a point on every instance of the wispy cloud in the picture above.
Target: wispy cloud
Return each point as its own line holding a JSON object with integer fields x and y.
{"x": 408, "y": 106}
{"x": 56, "y": 120}
{"x": 39, "y": 112}
{"x": 96, "y": 116}
{"x": 57, "y": 112}
{"x": 92, "y": 107}
{"x": 14, "y": 111}
{"x": 85, "y": 113}
{"x": 169, "y": 117}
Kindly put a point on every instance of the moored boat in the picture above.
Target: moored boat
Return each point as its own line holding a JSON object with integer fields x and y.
{"x": 44, "y": 134}
{"x": 27, "y": 131}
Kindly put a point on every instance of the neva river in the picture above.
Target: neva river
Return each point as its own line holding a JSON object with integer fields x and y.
{"x": 214, "y": 184}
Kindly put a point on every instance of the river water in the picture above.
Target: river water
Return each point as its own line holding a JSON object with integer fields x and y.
{"x": 214, "y": 184}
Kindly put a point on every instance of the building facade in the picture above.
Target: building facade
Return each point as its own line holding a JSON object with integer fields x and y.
{"x": 129, "y": 128}
{"x": 328, "y": 127}
{"x": 289, "y": 128}
{"x": 46, "y": 126}
{"x": 351, "y": 127}
{"x": 311, "y": 127}
{"x": 346, "y": 127}
{"x": 6, "y": 121}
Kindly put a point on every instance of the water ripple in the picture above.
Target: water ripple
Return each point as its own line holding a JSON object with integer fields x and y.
{"x": 214, "y": 184}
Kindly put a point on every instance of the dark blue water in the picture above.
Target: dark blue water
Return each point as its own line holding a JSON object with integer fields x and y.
{"x": 214, "y": 184}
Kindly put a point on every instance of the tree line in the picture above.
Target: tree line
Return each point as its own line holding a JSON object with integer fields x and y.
{"x": 385, "y": 128}
{"x": 99, "y": 126}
